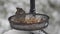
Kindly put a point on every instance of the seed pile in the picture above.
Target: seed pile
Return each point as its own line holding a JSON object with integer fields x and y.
{"x": 28, "y": 21}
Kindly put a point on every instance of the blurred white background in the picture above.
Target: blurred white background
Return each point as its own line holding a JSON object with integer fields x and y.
{"x": 8, "y": 8}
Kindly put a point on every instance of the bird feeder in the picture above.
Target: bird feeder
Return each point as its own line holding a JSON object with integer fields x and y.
{"x": 40, "y": 22}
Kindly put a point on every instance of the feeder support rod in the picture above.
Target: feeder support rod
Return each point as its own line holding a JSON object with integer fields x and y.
{"x": 32, "y": 6}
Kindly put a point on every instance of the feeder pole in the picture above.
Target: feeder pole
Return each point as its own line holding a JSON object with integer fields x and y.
{"x": 32, "y": 6}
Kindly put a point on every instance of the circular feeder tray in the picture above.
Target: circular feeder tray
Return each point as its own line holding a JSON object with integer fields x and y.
{"x": 30, "y": 27}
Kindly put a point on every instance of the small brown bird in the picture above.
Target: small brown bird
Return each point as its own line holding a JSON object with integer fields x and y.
{"x": 20, "y": 11}
{"x": 20, "y": 15}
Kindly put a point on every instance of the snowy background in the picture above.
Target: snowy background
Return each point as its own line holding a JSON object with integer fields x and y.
{"x": 8, "y": 8}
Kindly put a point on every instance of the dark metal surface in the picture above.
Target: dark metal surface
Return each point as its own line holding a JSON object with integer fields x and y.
{"x": 44, "y": 31}
{"x": 32, "y": 6}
